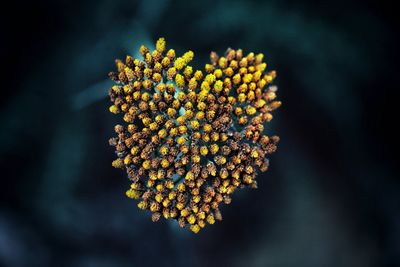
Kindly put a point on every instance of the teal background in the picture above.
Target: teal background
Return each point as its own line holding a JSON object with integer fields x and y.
{"x": 330, "y": 198}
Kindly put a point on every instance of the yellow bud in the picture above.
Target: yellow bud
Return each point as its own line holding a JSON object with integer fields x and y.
{"x": 261, "y": 67}
{"x": 241, "y": 97}
{"x": 160, "y": 45}
{"x": 207, "y": 128}
{"x": 205, "y": 86}
{"x": 166, "y": 202}
{"x": 196, "y": 158}
{"x": 203, "y": 150}
{"x": 218, "y": 73}
{"x": 152, "y": 175}
{"x": 229, "y": 72}
{"x": 158, "y": 197}
{"x": 214, "y": 148}
{"x": 120, "y": 65}
{"x": 130, "y": 74}
{"x": 157, "y": 77}
{"x": 189, "y": 176}
{"x": 188, "y": 71}
{"x": 220, "y": 160}
{"x": 137, "y": 95}
{"x": 164, "y": 163}
{"x": 257, "y": 76}
{"x": 222, "y": 62}
{"x": 116, "y": 89}
{"x": 209, "y": 68}
{"x": 180, "y": 206}
{"x": 200, "y": 115}
{"x": 223, "y": 137}
{"x": 261, "y": 83}
{"x": 143, "y": 50}
{"x": 153, "y": 126}
{"x": 250, "y": 110}
{"x": 234, "y": 64}
{"x": 210, "y": 219}
{"x": 201, "y": 215}
{"x": 160, "y": 174}
{"x": 191, "y": 219}
{"x": 259, "y": 57}
{"x": 165, "y": 62}
{"x": 133, "y": 194}
{"x": 114, "y": 109}
{"x": 259, "y": 103}
{"x": 118, "y": 163}
{"x": 205, "y": 137}
{"x": 181, "y": 187}
{"x": 171, "y": 53}
{"x": 210, "y": 78}
{"x": 181, "y": 120}
{"x": 236, "y": 79}
{"x": 201, "y": 223}
{"x": 184, "y": 212}
{"x": 146, "y": 164}
{"x": 198, "y": 75}
{"x": 179, "y": 63}
{"x": 171, "y": 195}
{"x": 145, "y": 96}
{"x": 247, "y": 78}
{"x": 170, "y": 184}
{"x": 181, "y": 140}
{"x": 135, "y": 186}
{"x": 215, "y": 136}
{"x": 154, "y": 207}
{"x": 201, "y": 106}
{"x": 194, "y": 125}
{"x": 275, "y": 105}
{"x": 224, "y": 173}
{"x": 196, "y": 199}
{"x": 182, "y": 129}
{"x": 127, "y": 160}
{"x": 179, "y": 80}
{"x": 171, "y": 112}
{"x": 142, "y": 205}
{"x": 164, "y": 150}
{"x": 150, "y": 183}
{"x": 146, "y": 121}
{"x": 171, "y": 72}
{"x": 195, "y": 228}
{"x": 242, "y": 120}
{"x": 162, "y": 133}
{"x": 188, "y": 56}
{"x": 192, "y": 84}
{"x": 128, "y": 89}
{"x": 218, "y": 86}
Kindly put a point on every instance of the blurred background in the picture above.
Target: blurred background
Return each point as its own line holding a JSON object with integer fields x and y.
{"x": 330, "y": 198}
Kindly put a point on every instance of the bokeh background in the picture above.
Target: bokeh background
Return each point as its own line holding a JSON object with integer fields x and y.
{"x": 330, "y": 198}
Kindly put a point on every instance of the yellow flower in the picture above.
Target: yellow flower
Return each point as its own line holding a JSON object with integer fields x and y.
{"x": 191, "y": 139}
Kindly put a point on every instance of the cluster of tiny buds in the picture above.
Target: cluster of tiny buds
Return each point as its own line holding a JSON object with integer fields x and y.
{"x": 190, "y": 138}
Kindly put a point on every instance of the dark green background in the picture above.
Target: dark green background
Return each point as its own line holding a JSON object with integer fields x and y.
{"x": 330, "y": 198}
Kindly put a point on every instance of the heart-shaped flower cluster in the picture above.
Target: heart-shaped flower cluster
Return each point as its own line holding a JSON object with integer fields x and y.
{"x": 191, "y": 138}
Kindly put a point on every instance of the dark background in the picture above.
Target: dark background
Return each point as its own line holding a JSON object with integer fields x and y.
{"x": 330, "y": 198}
